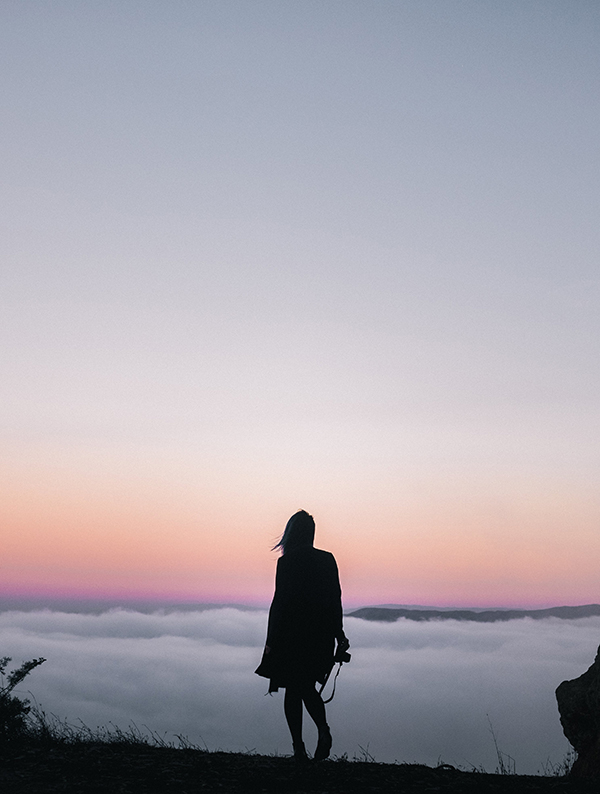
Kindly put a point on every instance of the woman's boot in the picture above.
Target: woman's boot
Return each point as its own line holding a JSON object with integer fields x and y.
{"x": 324, "y": 744}
{"x": 300, "y": 755}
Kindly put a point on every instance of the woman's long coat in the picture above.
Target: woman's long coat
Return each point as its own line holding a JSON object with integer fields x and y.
{"x": 304, "y": 619}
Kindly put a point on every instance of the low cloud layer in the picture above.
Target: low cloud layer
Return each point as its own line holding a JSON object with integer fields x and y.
{"x": 415, "y": 692}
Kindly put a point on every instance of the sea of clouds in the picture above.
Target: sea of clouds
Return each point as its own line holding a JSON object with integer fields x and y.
{"x": 414, "y": 692}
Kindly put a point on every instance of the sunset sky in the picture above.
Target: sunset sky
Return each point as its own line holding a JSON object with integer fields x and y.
{"x": 333, "y": 255}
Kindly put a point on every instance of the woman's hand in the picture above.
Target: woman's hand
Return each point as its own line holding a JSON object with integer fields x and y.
{"x": 341, "y": 652}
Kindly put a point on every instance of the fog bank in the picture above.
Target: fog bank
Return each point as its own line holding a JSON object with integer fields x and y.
{"x": 414, "y": 692}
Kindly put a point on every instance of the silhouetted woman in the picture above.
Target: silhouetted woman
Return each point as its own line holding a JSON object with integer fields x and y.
{"x": 304, "y": 621}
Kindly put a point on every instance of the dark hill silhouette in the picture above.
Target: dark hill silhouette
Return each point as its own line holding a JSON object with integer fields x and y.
{"x": 81, "y": 767}
{"x": 390, "y": 615}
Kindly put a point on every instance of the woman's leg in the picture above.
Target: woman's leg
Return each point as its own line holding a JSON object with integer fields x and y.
{"x": 292, "y": 707}
{"x": 314, "y": 704}
{"x": 316, "y": 708}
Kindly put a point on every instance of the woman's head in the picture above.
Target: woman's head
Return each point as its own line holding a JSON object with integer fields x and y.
{"x": 299, "y": 531}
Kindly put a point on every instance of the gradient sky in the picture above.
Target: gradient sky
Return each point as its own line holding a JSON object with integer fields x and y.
{"x": 263, "y": 256}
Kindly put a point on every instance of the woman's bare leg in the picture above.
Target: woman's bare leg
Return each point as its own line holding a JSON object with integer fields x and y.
{"x": 314, "y": 705}
{"x": 316, "y": 708}
{"x": 292, "y": 707}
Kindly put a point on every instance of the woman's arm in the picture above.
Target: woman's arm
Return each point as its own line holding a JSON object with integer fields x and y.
{"x": 336, "y": 603}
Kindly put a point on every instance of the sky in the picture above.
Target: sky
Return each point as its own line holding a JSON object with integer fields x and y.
{"x": 426, "y": 692}
{"x": 341, "y": 256}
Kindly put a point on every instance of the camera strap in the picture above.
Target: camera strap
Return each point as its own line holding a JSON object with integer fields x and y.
{"x": 324, "y": 684}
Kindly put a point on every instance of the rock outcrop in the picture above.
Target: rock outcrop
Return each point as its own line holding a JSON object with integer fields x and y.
{"x": 579, "y": 708}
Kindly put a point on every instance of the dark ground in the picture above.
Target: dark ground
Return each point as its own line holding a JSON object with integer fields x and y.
{"x": 95, "y": 767}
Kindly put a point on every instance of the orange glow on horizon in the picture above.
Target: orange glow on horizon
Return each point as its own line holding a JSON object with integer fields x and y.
{"x": 108, "y": 538}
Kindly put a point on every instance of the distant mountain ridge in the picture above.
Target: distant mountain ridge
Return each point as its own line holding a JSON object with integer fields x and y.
{"x": 390, "y": 614}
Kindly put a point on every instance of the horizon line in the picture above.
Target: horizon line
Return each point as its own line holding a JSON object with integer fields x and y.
{"x": 114, "y": 601}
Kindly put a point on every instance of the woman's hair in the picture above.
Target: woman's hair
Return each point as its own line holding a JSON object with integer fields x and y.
{"x": 299, "y": 531}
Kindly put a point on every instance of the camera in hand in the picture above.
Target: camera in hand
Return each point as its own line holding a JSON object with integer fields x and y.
{"x": 341, "y": 652}
{"x": 342, "y": 656}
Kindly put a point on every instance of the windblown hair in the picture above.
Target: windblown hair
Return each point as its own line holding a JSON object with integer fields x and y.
{"x": 299, "y": 531}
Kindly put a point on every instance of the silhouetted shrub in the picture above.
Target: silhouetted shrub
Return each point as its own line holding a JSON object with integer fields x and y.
{"x": 14, "y": 710}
